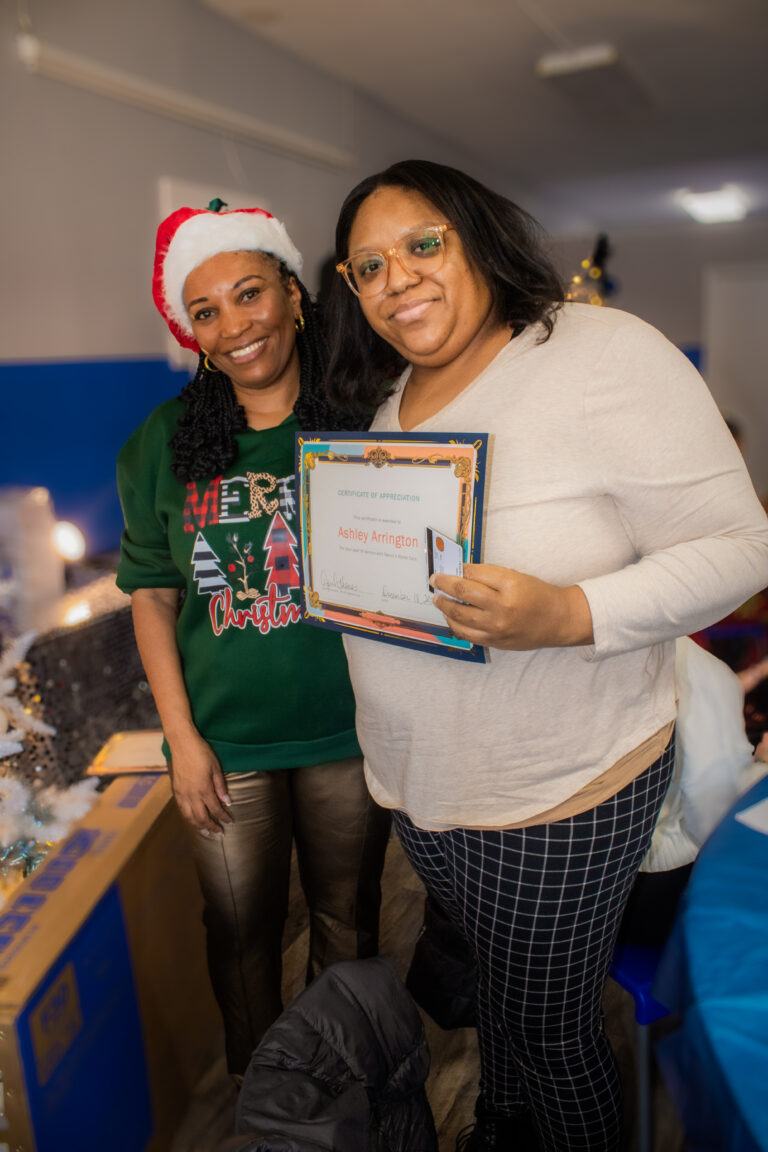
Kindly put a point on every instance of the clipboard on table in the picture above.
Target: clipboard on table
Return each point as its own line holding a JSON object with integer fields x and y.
{"x": 129, "y": 753}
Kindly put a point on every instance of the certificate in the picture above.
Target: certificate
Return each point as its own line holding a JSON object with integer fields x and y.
{"x": 368, "y": 505}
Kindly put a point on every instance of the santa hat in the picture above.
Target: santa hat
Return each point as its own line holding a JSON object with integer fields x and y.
{"x": 190, "y": 236}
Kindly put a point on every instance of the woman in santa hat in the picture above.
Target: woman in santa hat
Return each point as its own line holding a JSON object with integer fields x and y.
{"x": 256, "y": 706}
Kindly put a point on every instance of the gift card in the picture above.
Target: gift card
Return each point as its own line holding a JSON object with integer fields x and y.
{"x": 444, "y": 556}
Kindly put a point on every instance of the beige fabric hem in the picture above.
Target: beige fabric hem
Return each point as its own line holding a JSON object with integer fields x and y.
{"x": 605, "y": 785}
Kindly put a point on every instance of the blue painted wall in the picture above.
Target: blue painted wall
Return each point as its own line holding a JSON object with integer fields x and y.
{"x": 63, "y": 425}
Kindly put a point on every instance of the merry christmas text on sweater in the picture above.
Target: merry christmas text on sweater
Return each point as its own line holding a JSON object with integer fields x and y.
{"x": 242, "y": 593}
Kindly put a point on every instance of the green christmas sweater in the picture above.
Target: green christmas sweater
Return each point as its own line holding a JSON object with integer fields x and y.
{"x": 266, "y": 689}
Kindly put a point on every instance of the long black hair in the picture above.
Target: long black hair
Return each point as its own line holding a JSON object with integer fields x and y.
{"x": 500, "y": 239}
{"x": 205, "y": 444}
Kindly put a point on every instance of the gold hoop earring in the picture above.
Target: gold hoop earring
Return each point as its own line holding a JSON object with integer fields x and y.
{"x": 207, "y": 364}
{"x": 299, "y": 323}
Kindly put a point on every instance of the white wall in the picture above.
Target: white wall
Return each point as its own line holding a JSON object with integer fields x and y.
{"x": 735, "y": 311}
{"x": 660, "y": 274}
{"x": 78, "y": 172}
{"x": 78, "y": 178}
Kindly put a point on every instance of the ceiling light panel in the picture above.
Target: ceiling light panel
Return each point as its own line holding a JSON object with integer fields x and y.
{"x": 715, "y": 207}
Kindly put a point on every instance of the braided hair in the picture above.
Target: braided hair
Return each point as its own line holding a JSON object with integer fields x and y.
{"x": 205, "y": 444}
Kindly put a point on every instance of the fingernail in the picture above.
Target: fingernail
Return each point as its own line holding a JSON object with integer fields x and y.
{"x": 432, "y": 580}
{"x": 204, "y": 832}
{"x": 227, "y": 800}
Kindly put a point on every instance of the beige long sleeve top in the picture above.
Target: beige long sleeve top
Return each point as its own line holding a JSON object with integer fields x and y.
{"x": 610, "y": 467}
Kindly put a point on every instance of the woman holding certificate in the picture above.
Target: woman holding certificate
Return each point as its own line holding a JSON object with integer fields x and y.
{"x": 256, "y": 707}
{"x": 619, "y": 516}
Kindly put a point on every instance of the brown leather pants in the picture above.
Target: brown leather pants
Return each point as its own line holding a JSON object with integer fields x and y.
{"x": 341, "y": 838}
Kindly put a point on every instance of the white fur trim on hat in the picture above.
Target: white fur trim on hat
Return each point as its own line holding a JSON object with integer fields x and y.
{"x": 206, "y": 235}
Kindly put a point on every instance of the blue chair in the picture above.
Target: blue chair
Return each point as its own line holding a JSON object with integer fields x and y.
{"x": 633, "y": 967}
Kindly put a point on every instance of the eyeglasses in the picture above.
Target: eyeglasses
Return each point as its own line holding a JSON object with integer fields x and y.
{"x": 418, "y": 254}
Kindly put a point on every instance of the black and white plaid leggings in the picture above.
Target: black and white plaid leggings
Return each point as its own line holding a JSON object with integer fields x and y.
{"x": 541, "y": 907}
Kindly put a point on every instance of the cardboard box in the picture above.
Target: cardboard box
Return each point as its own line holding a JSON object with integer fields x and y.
{"x": 107, "y": 1020}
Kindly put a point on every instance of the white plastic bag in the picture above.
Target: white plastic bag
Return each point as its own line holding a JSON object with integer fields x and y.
{"x": 713, "y": 760}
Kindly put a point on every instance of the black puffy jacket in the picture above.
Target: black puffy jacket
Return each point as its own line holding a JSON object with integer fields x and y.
{"x": 342, "y": 1070}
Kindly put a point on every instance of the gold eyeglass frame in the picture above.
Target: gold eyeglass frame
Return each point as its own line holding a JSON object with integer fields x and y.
{"x": 343, "y": 267}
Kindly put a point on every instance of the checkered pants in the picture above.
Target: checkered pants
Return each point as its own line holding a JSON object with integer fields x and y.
{"x": 541, "y": 907}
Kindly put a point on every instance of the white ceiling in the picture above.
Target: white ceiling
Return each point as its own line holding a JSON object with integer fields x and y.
{"x": 686, "y": 104}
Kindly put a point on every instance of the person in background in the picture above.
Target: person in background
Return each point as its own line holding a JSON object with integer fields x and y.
{"x": 256, "y": 706}
{"x": 525, "y": 790}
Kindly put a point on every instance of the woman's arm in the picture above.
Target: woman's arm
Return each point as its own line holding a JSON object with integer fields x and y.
{"x": 198, "y": 782}
{"x": 655, "y": 444}
{"x": 682, "y": 492}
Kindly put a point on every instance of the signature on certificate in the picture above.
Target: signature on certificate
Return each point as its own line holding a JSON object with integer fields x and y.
{"x": 335, "y": 582}
{"x": 406, "y": 597}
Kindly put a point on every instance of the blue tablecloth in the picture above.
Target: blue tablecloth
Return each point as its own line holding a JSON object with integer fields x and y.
{"x": 714, "y": 973}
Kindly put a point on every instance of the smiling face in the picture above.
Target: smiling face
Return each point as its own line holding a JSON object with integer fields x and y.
{"x": 243, "y": 315}
{"x": 433, "y": 319}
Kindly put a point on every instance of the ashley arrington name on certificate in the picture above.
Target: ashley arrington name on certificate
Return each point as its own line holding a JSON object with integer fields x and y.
{"x": 378, "y": 537}
{"x": 368, "y": 507}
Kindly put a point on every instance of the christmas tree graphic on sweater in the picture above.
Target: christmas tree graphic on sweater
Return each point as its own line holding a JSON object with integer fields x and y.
{"x": 282, "y": 563}
{"x": 205, "y": 567}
